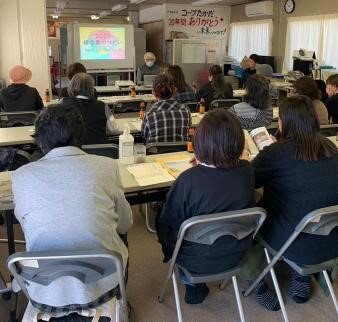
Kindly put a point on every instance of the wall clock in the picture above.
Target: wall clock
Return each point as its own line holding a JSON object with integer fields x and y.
{"x": 289, "y": 6}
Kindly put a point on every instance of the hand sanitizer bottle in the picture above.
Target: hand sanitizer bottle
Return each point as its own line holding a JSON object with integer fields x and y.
{"x": 126, "y": 146}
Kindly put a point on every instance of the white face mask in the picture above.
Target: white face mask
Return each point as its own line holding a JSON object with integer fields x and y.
{"x": 150, "y": 63}
{"x": 210, "y": 78}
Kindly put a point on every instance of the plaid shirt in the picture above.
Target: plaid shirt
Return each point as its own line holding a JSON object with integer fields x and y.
{"x": 187, "y": 95}
{"x": 166, "y": 121}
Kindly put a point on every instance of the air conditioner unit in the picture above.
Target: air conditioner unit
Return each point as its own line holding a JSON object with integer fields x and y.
{"x": 262, "y": 8}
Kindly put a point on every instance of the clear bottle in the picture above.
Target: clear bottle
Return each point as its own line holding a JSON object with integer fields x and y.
{"x": 201, "y": 109}
{"x": 47, "y": 96}
{"x": 132, "y": 91}
{"x": 126, "y": 146}
{"x": 191, "y": 134}
{"x": 142, "y": 110}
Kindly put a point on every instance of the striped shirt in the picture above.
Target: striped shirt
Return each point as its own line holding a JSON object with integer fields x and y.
{"x": 251, "y": 117}
{"x": 166, "y": 121}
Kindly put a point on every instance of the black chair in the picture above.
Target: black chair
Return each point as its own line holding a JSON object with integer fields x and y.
{"x": 329, "y": 130}
{"x": 11, "y": 119}
{"x": 166, "y": 147}
{"x": 127, "y": 107}
{"x": 106, "y": 150}
{"x": 193, "y": 106}
{"x": 224, "y": 103}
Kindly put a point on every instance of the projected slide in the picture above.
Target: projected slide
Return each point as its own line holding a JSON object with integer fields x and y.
{"x": 97, "y": 43}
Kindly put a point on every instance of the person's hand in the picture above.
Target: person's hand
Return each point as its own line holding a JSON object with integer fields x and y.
{"x": 193, "y": 161}
{"x": 246, "y": 152}
{"x": 273, "y": 138}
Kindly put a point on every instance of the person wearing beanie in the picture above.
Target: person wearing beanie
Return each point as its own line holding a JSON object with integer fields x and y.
{"x": 18, "y": 96}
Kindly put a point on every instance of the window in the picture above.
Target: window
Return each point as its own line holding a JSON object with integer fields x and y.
{"x": 318, "y": 33}
{"x": 248, "y": 38}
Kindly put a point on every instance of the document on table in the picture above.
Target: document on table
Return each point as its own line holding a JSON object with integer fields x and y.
{"x": 135, "y": 124}
{"x": 150, "y": 173}
{"x": 6, "y": 191}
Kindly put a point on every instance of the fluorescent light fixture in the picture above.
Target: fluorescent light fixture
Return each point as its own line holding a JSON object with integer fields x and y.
{"x": 136, "y": 1}
{"x": 204, "y": 2}
{"x": 94, "y": 17}
{"x": 119, "y": 7}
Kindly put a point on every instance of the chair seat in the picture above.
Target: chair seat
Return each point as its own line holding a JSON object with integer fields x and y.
{"x": 206, "y": 278}
{"x": 312, "y": 269}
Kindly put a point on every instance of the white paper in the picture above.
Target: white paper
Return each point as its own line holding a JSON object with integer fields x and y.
{"x": 178, "y": 166}
{"x": 151, "y": 173}
{"x": 135, "y": 124}
{"x": 193, "y": 53}
{"x": 261, "y": 137}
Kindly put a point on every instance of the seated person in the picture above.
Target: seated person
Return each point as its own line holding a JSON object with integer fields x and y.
{"x": 216, "y": 88}
{"x": 261, "y": 69}
{"x": 184, "y": 92}
{"x": 332, "y": 101}
{"x": 69, "y": 200}
{"x": 299, "y": 173}
{"x": 219, "y": 182}
{"x": 150, "y": 67}
{"x": 256, "y": 109}
{"x": 322, "y": 88}
{"x": 308, "y": 87}
{"x": 71, "y": 71}
{"x": 95, "y": 113}
{"x": 167, "y": 120}
{"x": 19, "y": 97}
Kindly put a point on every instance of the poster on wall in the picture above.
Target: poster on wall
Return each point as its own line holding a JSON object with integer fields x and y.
{"x": 196, "y": 22}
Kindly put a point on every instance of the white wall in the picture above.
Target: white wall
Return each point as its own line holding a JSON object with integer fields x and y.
{"x": 23, "y": 40}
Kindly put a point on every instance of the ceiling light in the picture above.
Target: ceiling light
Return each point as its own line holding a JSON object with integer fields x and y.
{"x": 119, "y": 7}
{"x": 94, "y": 17}
{"x": 128, "y": 19}
{"x": 204, "y": 2}
{"x": 136, "y": 1}
{"x": 55, "y": 16}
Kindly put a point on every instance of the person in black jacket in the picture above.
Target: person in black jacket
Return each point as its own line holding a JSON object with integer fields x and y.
{"x": 219, "y": 182}
{"x": 332, "y": 102}
{"x": 94, "y": 112}
{"x": 19, "y": 97}
{"x": 299, "y": 173}
{"x": 216, "y": 88}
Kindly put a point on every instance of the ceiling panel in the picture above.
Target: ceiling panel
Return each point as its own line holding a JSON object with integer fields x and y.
{"x": 85, "y": 8}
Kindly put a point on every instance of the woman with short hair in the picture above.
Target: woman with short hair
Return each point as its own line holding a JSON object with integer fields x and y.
{"x": 308, "y": 87}
{"x": 95, "y": 113}
{"x": 299, "y": 173}
{"x": 220, "y": 181}
{"x": 184, "y": 92}
{"x": 167, "y": 120}
{"x": 256, "y": 109}
{"x": 216, "y": 88}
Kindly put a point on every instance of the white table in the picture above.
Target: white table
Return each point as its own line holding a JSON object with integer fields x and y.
{"x": 112, "y": 100}
{"x": 239, "y": 93}
{"x": 107, "y": 89}
{"x": 16, "y": 135}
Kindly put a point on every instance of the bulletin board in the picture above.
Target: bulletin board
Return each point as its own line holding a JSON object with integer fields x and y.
{"x": 195, "y": 56}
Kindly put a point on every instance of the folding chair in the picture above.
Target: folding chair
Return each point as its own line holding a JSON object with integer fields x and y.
{"x": 206, "y": 229}
{"x": 158, "y": 148}
{"x": 87, "y": 266}
{"x": 10, "y": 119}
{"x": 318, "y": 222}
{"x": 193, "y": 106}
{"x": 224, "y": 103}
{"x": 166, "y": 147}
{"x": 106, "y": 150}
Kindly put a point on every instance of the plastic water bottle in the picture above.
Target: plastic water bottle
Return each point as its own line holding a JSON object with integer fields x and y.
{"x": 126, "y": 146}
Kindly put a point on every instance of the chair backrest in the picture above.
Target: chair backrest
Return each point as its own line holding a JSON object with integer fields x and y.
{"x": 166, "y": 147}
{"x": 107, "y": 150}
{"x": 224, "y": 103}
{"x": 206, "y": 229}
{"x": 10, "y": 119}
{"x": 193, "y": 106}
{"x": 329, "y": 130}
{"x": 125, "y": 107}
{"x": 45, "y": 267}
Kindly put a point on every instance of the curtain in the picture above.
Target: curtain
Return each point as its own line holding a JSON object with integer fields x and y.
{"x": 248, "y": 38}
{"x": 317, "y": 33}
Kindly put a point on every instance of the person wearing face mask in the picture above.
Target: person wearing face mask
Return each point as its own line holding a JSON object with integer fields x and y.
{"x": 150, "y": 67}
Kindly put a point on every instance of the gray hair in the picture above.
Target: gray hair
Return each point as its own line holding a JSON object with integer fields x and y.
{"x": 81, "y": 84}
